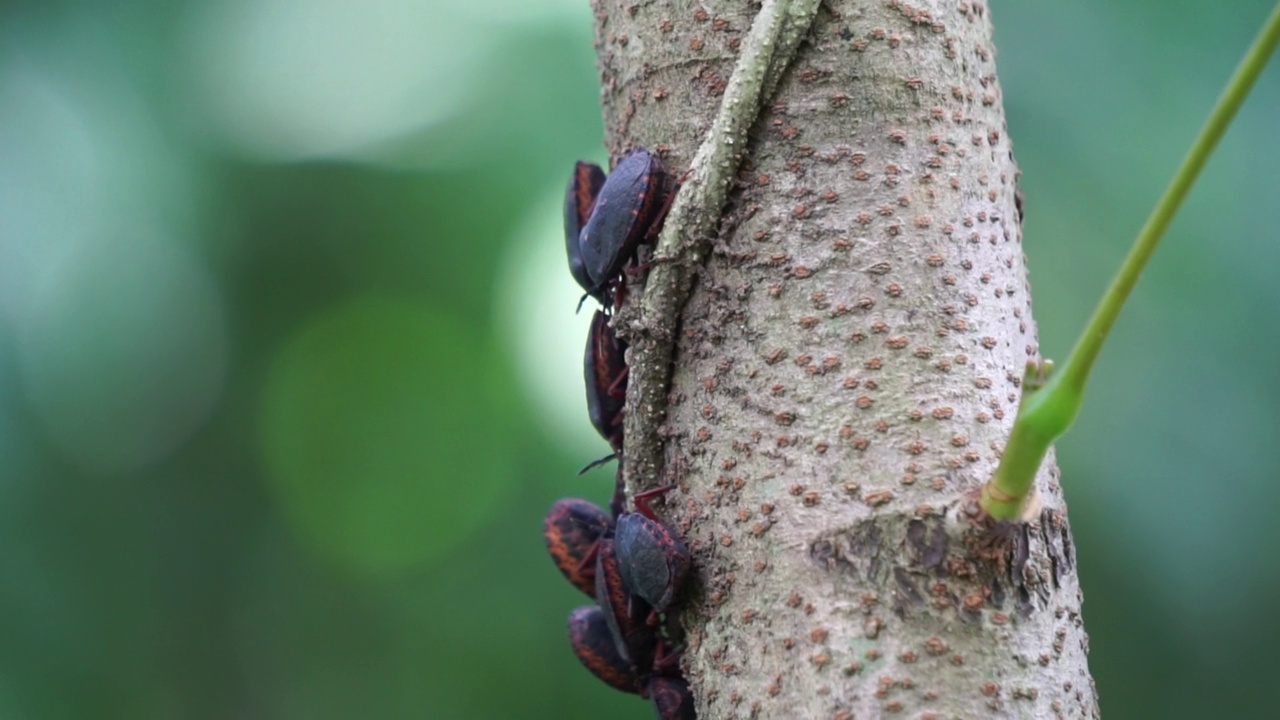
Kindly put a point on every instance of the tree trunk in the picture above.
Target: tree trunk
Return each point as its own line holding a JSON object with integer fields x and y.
{"x": 845, "y": 370}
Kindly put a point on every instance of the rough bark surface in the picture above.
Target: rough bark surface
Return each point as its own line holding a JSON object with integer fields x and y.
{"x": 846, "y": 372}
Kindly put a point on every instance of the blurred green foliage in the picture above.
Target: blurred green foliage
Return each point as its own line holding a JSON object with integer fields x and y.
{"x": 289, "y": 369}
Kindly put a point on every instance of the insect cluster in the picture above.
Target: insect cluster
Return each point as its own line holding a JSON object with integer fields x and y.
{"x": 628, "y": 562}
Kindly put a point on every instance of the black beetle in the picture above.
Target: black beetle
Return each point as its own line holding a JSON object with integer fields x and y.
{"x": 579, "y": 201}
{"x": 594, "y": 645}
{"x": 604, "y": 369}
{"x": 627, "y": 209}
{"x": 573, "y": 528}
{"x": 672, "y": 699}
{"x": 652, "y": 561}
{"x": 660, "y": 681}
{"x": 625, "y": 614}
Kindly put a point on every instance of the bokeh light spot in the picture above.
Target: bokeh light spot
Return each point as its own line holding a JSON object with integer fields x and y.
{"x": 288, "y": 79}
{"x": 538, "y": 297}
{"x": 123, "y": 352}
{"x": 382, "y": 434}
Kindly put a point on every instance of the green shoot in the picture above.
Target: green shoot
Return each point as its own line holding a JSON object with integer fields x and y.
{"x": 1051, "y": 398}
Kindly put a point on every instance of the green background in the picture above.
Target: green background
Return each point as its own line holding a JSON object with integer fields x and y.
{"x": 289, "y": 370}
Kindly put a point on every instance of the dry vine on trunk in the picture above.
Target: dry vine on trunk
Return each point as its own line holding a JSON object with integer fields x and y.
{"x": 829, "y": 366}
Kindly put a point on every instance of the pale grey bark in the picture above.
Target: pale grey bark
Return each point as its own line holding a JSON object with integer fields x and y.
{"x": 845, "y": 371}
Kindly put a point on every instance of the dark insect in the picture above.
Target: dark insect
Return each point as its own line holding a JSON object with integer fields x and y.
{"x": 652, "y": 561}
{"x": 627, "y": 210}
{"x": 573, "y": 528}
{"x": 672, "y": 699}
{"x": 624, "y": 639}
{"x": 625, "y": 614}
{"x": 595, "y": 647}
{"x": 605, "y": 372}
{"x": 580, "y": 199}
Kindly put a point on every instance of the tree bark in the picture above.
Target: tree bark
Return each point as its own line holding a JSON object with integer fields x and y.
{"x": 844, "y": 371}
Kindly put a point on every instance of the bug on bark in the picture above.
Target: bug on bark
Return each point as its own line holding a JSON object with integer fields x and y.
{"x": 659, "y": 679}
{"x": 572, "y": 529}
{"x": 594, "y": 645}
{"x": 624, "y": 613}
{"x": 627, "y": 210}
{"x": 672, "y": 698}
{"x": 605, "y": 373}
{"x": 579, "y": 201}
{"x": 652, "y": 561}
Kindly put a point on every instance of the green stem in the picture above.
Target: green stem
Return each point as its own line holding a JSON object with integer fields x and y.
{"x": 1049, "y": 407}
